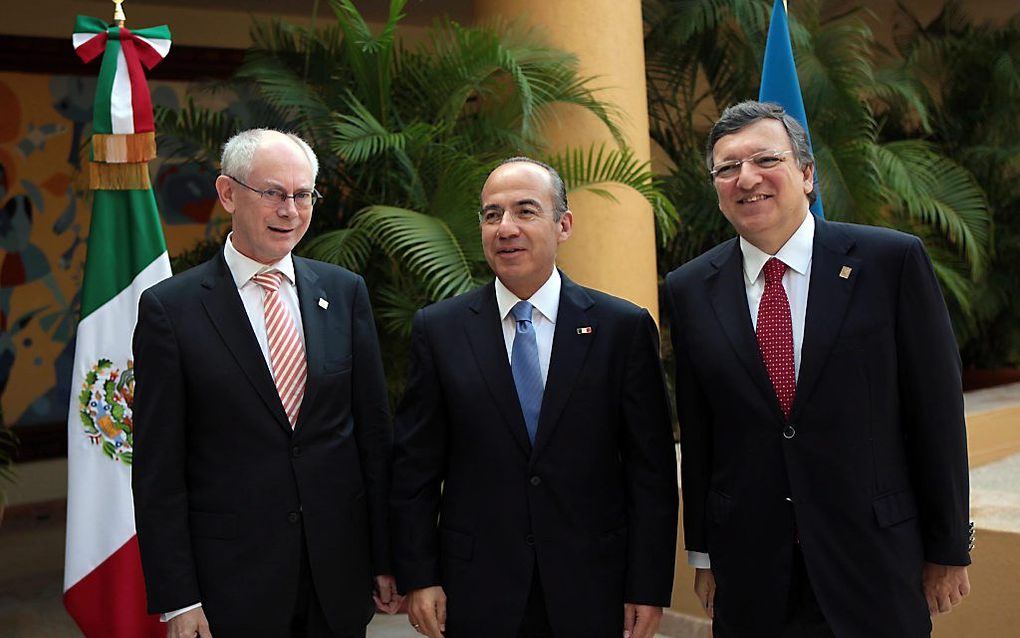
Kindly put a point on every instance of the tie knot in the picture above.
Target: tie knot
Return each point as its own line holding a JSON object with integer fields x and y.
{"x": 522, "y": 311}
{"x": 774, "y": 270}
{"x": 269, "y": 281}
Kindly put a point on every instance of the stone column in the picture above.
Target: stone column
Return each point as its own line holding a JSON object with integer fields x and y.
{"x": 613, "y": 245}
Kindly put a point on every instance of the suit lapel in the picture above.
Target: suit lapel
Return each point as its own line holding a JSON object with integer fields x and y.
{"x": 485, "y": 334}
{"x": 828, "y": 298}
{"x": 313, "y": 322}
{"x": 569, "y": 350}
{"x": 728, "y": 296}
{"x": 225, "y": 309}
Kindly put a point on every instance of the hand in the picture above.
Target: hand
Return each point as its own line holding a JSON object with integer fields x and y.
{"x": 640, "y": 621}
{"x": 386, "y": 598}
{"x": 704, "y": 588}
{"x": 426, "y": 610}
{"x": 944, "y": 587}
{"x": 188, "y": 625}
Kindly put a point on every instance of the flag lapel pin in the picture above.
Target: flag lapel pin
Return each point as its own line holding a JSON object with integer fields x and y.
{"x": 323, "y": 303}
{"x": 584, "y": 330}
{"x": 844, "y": 272}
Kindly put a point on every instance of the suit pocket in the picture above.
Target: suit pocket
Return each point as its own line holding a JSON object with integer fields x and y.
{"x": 720, "y": 506}
{"x": 894, "y": 508}
{"x": 210, "y": 525}
{"x": 456, "y": 544}
{"x": 336, "y": 365}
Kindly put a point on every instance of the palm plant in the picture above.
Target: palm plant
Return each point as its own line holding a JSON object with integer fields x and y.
{"x": 971, "y": 73}
{"x": 703, "y": 55}
{"x": 405, "y": 137}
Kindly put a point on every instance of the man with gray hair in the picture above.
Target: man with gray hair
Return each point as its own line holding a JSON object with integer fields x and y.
{"x": 262, "y": 432}
{"x": 823, "y": 450}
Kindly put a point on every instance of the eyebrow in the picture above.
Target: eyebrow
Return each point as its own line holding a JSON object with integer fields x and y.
{"x": 271, "y": 183}
{"x": 520, "y": 202}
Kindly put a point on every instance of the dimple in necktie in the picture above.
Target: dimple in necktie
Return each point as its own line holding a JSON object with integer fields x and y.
{"x": 525, "y": 367}
{"x": 775, "y": 335}
{"x": 286, "y": 350}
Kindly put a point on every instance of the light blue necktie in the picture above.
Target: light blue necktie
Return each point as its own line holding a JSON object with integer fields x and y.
{"x": 525, "y": 367}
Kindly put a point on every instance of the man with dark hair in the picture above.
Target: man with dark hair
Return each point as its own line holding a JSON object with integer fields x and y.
{"x": 823, "y": 450}
{"x": 262, "y": 434}
{"x": 534, "y": 475}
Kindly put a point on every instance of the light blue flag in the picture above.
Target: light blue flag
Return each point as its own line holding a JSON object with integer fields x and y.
{"x": 779, "y": 81}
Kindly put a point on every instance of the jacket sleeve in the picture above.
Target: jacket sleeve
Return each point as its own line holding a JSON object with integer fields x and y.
{"x": 419, "y": 459}
{"x": 694, "y": 416}
{"x": 158, "y": 471}
{"x": 372, "y": 428}
{"x": 931, "y": 404}
{"x": 649, "y": 459}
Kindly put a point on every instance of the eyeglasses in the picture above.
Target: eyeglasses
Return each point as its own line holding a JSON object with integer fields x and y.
{"x": 276, "y": 197}
{"x": 494, "y": 216}
{"x": 763, "y": 160}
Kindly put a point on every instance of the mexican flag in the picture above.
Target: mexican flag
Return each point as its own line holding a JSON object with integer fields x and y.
{"x": 103, "y": 586}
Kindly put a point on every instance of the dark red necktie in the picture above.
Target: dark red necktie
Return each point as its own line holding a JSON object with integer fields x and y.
{"x": 775, "y": 335}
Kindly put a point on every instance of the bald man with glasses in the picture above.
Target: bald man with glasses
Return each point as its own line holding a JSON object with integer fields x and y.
{"x": 262, "y": 430}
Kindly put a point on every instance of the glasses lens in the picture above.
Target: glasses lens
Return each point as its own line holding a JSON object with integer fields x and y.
{"x": 767, "y": 161}
{"x": 726, "y": 171}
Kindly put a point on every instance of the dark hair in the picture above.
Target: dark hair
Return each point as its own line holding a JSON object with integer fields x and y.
{"x": 746, "y": 113}
{"x": 558, "y": 187}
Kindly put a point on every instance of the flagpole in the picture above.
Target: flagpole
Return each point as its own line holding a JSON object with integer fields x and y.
{"x": 118, "y": 13}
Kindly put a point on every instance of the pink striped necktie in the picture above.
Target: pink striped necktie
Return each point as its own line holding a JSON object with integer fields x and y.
{"x": 286, "y": 350}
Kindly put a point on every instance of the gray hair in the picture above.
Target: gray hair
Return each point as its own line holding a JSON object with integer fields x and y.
{"x": 239, "y": 152}
{"x": 746, "y": 113}
{"x": 559, "y": 189}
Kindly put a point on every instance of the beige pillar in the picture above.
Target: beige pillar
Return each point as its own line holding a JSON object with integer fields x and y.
{"x": 613, "y": 246}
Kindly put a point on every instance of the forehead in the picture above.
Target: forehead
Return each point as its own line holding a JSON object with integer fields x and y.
{"x": 759, "y": 136}
{"x": 517, "y": 181}
{"x": 279, "y": 159}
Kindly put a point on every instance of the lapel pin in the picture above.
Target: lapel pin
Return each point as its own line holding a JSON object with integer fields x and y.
{"x": 584, "y": 330}
{"x": 323, "y": 303}
{"x": 844, "y": 273}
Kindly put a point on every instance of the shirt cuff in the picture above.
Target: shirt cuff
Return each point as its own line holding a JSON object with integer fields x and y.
{"x": 700, "y": 560}
{"x": 173, "y": 614}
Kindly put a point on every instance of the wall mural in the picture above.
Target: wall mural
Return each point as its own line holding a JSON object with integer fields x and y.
{"x": 44, "y": 223}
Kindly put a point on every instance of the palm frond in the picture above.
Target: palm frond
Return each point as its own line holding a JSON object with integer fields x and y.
{"x": 347, "y": 247}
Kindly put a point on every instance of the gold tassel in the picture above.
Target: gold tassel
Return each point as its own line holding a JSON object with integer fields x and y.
{"x": 118, "y": 177}
{"x": 124, "y": 148}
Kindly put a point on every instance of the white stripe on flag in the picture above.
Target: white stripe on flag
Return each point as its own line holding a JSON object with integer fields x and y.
{"x": 79, "y": 39}
{"x": 161, "y": 46}
{"x": 100, "y": 512}
{"x": 122, "y": 115}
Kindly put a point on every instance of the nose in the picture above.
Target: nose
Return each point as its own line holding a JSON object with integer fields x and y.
{"x": 287, "y": 208}
{"x": 508, "y": 226}
{"x": 749, "y": 176}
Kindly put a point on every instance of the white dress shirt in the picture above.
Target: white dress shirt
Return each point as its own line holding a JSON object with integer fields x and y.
{"x": 546, "y": 302}
{"x": 242, "y": 269}
{"x": 796, "y": 254}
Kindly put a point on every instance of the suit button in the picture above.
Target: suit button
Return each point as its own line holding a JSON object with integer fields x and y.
{"x": 296, "y": 450}
{"x": 530, "y": 539}
{"x": 293, "y": 517}
{"x": 789, "y": 432}
{"x": 536, "y": 480}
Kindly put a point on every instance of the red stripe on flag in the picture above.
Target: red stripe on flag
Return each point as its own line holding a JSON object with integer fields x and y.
{"x": 92, "y": 48}
{"x": 110, "y": 600}
{"x": 141, "y": 102}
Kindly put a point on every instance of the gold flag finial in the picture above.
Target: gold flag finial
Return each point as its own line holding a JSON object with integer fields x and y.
{"x": 118, "y": 13}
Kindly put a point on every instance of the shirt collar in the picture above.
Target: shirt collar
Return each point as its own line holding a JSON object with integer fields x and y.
{"x": 243, "y": 268}
{"x": 795, "y": 253}
{"x": 546, "y": 299}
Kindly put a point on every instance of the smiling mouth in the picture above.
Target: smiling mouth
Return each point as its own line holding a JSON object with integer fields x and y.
{"x": 282, "y": 231}
{"x": 510, "y": 251}
{"x": 755, "y": 198}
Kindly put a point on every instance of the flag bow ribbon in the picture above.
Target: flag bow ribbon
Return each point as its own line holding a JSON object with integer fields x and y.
{"x": 123, "y": 130}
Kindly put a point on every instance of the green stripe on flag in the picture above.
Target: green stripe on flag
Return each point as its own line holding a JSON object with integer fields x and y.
{"x": 124, "y": 238}
{"x": 162, "y": 32}
{"x": 102, "y": 120}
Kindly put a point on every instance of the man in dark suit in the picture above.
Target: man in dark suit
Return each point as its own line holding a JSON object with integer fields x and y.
{"x": 534, "y": 480}
{"x": 823, "y": 451}
{"x": 262, "y": 436}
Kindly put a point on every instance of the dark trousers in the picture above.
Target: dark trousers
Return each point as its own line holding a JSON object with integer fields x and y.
{"x": 536, "y": 618}
{"x": 804, "y": 618}
{"x": 308, "y": 620}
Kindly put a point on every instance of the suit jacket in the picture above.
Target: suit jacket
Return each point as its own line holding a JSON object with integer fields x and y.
{"x": 225, "y": 492}
{"x": 874, "y": 479}
{"x": 592, "y": 506}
